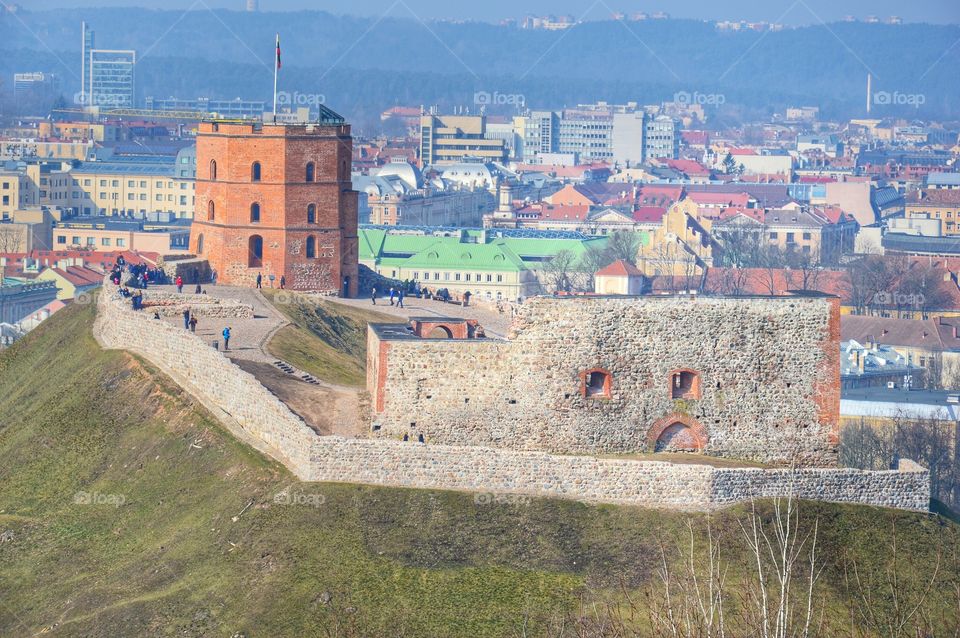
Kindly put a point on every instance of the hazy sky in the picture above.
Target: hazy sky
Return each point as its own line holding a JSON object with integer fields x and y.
{"x": 787, "y": 11}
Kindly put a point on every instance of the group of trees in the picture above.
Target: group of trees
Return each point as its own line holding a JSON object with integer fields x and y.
{"x": 928, "y": 440}
{"x": 775, "y": 572}
{"x": 567, "y": 272}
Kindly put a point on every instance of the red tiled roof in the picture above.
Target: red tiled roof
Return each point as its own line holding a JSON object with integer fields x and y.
{"x": 649, "y": 214}
{"x": 944, "y": 293}
{"x": 713, "y": 197}
{"x": 688, "y": 166}
{"x": 564, "y": 213}
{"x": 619, "y": 268}
{"x": 657, "y": 195}
{"x": 79, "y": 276}
{"x": 733, "y": 211}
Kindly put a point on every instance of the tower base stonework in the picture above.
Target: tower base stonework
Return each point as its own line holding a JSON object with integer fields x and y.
{"x": 276, "y": 200}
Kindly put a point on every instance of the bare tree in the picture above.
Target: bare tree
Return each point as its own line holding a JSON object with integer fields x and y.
{"x": 782, "y": 558}
{"x": 689, "y": 602}
{"x": 11, "y": 238}
{"x": 592, "y": 260}
{"x": 560, "y": 271}
{"x": 624, "y": 245}
{"x": 884, "y": 605}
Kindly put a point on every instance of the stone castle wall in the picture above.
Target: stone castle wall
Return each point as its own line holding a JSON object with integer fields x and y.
{"x": 257, "y": 417}
{"x": 767, "y": 374}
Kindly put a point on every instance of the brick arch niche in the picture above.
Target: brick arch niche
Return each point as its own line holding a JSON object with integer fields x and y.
{"x": 677, "y": 432}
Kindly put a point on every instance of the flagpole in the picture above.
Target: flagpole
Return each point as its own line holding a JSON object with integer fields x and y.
{"x": 276, "y": 69}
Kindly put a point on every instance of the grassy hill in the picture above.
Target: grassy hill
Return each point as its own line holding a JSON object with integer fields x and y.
{"x": 327, "y": 340}
{"x": 126, "y": 511}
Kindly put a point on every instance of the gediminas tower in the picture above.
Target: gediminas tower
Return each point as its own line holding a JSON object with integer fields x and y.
{"x": 276, "y": 199}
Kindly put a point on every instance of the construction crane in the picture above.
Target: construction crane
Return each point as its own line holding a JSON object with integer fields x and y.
{"x": 151, "y": 114}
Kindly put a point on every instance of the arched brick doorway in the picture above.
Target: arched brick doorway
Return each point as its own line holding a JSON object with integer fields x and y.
{"x": 440, "y": 332}
{"x": 677, "y": 433}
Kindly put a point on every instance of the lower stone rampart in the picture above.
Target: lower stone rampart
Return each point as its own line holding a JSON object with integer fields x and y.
{"x": 256, "y": 416}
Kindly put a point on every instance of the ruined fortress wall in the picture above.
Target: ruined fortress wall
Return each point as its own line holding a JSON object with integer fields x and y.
{"x": 251, "y": 412}
{"x": 768, "y": 378}
{"x": 643, "y": 483}
{"x": 256, "y": 417}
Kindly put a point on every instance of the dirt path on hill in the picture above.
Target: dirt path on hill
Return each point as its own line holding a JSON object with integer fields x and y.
{"x": 327, "y": 409}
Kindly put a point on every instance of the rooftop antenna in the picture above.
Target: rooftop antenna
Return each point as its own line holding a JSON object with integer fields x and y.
{"x": 869, "y": 82}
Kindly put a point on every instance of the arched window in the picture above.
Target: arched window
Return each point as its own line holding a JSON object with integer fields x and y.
{"x": 213, "y": 169}
{"x": 311, "y": 247}
{"x": 311, "y": 170}
{"x": 254, "y": 213}
{"x": 200, "y": 244}
{"x": 255, "y": 251}
{"x": 211, "y": 212}
{"x": 311, "y": 213}
{"x": 255, "y": 172}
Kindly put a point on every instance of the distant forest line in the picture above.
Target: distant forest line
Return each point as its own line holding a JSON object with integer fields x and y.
{"x": 361, "y": 66}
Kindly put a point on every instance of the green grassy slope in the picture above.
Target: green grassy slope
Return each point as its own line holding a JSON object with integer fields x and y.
{"x": 327, "y": 340}
{"x": 133, "y": 514}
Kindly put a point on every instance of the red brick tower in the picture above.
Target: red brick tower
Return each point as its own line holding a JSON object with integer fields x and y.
{"x": 277, "y": 199}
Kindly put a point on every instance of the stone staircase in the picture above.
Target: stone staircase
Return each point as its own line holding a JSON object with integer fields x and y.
{"x": 289, "y": 369}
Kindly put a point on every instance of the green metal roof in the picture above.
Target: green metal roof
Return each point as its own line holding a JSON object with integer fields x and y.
{"x": 464, "y": 252}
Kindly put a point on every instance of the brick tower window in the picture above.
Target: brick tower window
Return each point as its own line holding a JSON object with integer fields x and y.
{"x": 255, "y": 257}
{"x": 254, "y": 213}
{"x": 311, "y": 213}
{"x": 211, "y": 212}
{"x": 213, "y": 170}
{"x": 200, "y": 244}
{"x": 684, "y": 384}
{"x": 311, "y": 247}
{"x": 311, "y": 172}
{"x": 597, "y": 383}
{"x": 255, "y": 172}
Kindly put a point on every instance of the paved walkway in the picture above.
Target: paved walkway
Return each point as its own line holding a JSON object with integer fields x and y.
{"x": 248, "y": 337}
{"x": 495, "y": 324}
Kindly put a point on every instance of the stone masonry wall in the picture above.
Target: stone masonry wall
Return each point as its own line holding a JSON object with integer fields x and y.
{"x": 255, "y": 416}
{"x": 235, "y": 397}
{"x": 768, "y": 378}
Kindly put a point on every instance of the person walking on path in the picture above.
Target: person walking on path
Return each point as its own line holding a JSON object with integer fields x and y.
{"x": 283, "y": 282}
{"x": 179, "y": 284}
{"x": 193, "y": 324}
{"x": 373, "y": 296}
{"x": 392, "y": 293}
{"x": 226, "y": 338}
{"x": 186, "y": 318}
{"x": 259, "y": 280}
{"x": 213, "y": 276}
{"x": 466, "y": 299}
{"x": 400, "y": 298}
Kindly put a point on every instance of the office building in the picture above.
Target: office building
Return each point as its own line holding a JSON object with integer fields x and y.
{"x": 448, "y": 139}
{"x": 112, "y": 78}
{"x": 227, "y": 109}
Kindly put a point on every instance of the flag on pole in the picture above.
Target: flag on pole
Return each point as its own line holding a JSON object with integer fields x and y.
{"x": 278, "y": 50}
